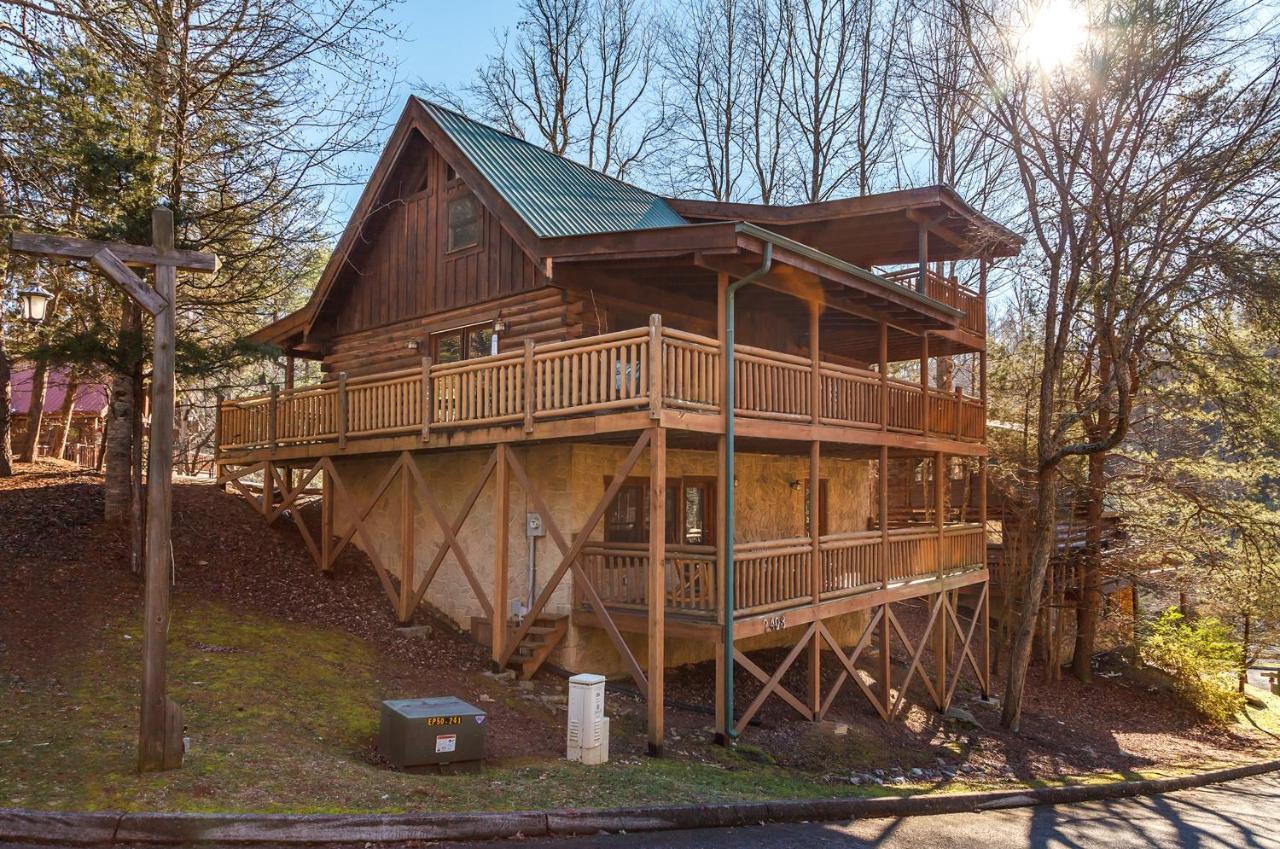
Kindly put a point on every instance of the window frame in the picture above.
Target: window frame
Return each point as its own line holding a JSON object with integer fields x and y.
{"x": 450, "y": 247}
{"x": 676, "y": 532}
{"x": 464, "y": 340}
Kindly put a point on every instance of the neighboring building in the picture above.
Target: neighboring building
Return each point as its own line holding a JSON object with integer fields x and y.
{"x": 505, "y": 332}
{"x": 88, "y": 414}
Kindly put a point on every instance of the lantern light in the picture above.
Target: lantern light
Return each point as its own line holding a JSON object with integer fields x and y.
{"x": 35, "y": 303}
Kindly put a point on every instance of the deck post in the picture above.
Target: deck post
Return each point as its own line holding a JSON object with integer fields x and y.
{"x": 924, "y": 385}
{"x": 815, "y": 364}
{"x": 884, "y": 375}
{"x": 428, "y": 403}
{"x": 922, "y": 247}
{"x": 342, "y": 410}
{"x": 528, "y": 386}
{"x": 273, "y": 412}
{"x": 886, "y": 679}
{"x": 404, "y": 612}
{"x": 289, "y": 371}
{"x": 940, "y": 624}
{"x": 986, "y": 607}
{"x": 502, "y": 529}
{"x": 657, "y": 589}
{"x": 326, "y": 520}
{"x": 815, "y": 574}
{"x": 655, "y": 367}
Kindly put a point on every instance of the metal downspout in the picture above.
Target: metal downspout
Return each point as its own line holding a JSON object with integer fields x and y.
{"x": 766, "y": 263}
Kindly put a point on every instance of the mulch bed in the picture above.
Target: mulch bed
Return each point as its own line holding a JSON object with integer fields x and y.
{"x": 62, "y": 569}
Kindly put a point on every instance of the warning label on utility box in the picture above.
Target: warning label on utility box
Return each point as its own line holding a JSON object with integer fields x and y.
{"x": 446, "y": 743}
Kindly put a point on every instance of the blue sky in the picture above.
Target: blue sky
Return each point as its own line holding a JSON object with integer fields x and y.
{"x": 443, "y": 43}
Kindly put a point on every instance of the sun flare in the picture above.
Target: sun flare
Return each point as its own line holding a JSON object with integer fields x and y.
{"x": 1053, "y": 34}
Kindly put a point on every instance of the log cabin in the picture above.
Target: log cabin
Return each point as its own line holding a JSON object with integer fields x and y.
{"x": 539, "y": 382}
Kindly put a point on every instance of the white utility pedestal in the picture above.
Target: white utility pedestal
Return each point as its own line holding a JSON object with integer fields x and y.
{"x": 588, "y": 726}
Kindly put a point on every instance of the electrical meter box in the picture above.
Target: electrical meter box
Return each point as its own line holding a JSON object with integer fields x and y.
{"x": 430, "y": 732}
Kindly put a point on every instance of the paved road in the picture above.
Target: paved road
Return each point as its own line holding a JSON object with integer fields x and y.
{"x": 1241, "y": 815}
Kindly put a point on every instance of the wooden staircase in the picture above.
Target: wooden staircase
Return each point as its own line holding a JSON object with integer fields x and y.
{"x": 544, "y": 635}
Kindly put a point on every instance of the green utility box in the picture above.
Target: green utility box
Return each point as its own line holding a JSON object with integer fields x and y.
{"x": 431, "y": 732}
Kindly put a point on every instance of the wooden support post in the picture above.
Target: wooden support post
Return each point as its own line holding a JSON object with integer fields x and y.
{"x": 815, "y": 364}
{"x": 160, "y": 743}
{"x": 657, "y": 588}
{"x": 940, "y": 649}
{"x": 342, "y": 410}
{"x": 924, "y": 384}
{"x": 528, "y": 386}
{"x": 922, "y": 247}
{"x": 273, "y": 417}
{"x": 428, "y": 402}
{"x": 884, "y": 375}
{"x": 815, "y": 574}
{"x": 655, "y": 367}
{"x": 289, "y": 371}
{"x": 268, "y": 488}
{"x": 326, "y": 521}
{"x": 502, "y": 529}
{"x": 886, "y": 676}
{"x": 404, "y": 606}
{"x": 986, "y": 607}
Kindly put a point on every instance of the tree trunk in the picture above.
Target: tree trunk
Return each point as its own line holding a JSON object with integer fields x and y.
{"x": 58, "y": 445}
{"x": 119, "y": 432}
{"x": 1089, "y": 603}
{"x": 1244, "y": 654}
{"x": 1029, "y": 610}
{"x": 6, "y": 395}
{"x": 35, "y": 413}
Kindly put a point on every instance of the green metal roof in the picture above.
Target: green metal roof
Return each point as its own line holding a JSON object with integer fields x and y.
{"x": 555, "y": 196}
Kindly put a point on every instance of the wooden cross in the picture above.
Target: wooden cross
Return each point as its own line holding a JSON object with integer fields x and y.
{"x": 160, "y": 744}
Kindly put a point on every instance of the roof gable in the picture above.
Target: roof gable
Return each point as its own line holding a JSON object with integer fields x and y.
{"x": 554, "y": 196}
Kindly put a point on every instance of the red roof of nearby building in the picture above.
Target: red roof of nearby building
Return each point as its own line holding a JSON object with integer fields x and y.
{"x": 90, "y": 397}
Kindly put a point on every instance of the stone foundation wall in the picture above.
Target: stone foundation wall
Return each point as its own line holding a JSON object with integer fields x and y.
{"x": 571, "y": 480}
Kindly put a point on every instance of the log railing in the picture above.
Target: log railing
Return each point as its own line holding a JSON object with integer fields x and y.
{"x": 775, "y": 574}
{"x": 617, "y": 570}
{"x": 607, "y": 373}
{"x": 946, "y": 290}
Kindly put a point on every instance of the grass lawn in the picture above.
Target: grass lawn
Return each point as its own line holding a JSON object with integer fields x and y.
{"x": 283, "y": 717}
{"x": 280, "y": 674}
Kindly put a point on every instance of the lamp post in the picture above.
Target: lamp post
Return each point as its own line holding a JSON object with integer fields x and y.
{"x": 35, "y": 304}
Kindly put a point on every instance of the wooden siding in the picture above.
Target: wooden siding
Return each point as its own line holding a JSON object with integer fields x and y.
{"x": 405, "y": 272}
{"x": 542, "y": 315}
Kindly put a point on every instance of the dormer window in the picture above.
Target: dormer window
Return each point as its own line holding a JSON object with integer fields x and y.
{"x": 464, "y": 222}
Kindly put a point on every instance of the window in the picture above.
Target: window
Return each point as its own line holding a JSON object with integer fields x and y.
{"x": 690, "y": 512}
{"x": 822, "y": 508}
{"x": 464, "y": 223}
{"x": 449, "y": 174}
{"x": 462, "y": 343}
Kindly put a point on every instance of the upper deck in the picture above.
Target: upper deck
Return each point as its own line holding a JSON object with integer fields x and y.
{"x": 611, "y": 382}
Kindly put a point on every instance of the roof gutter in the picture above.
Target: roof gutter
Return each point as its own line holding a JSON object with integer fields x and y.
{"x": 730, "y": 402}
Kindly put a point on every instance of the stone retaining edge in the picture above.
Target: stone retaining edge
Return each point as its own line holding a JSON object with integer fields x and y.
{"x": 249, "y": 829}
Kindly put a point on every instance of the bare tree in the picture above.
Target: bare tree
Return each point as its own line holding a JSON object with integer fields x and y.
{"x": 618, "y": 71}
{"x": 706, "y": 66}
{"x": 839, "y": 92}
{"x": 1144, "y": 162}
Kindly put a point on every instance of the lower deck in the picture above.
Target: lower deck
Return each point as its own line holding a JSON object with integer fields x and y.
{"x": 805, "y": 566}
